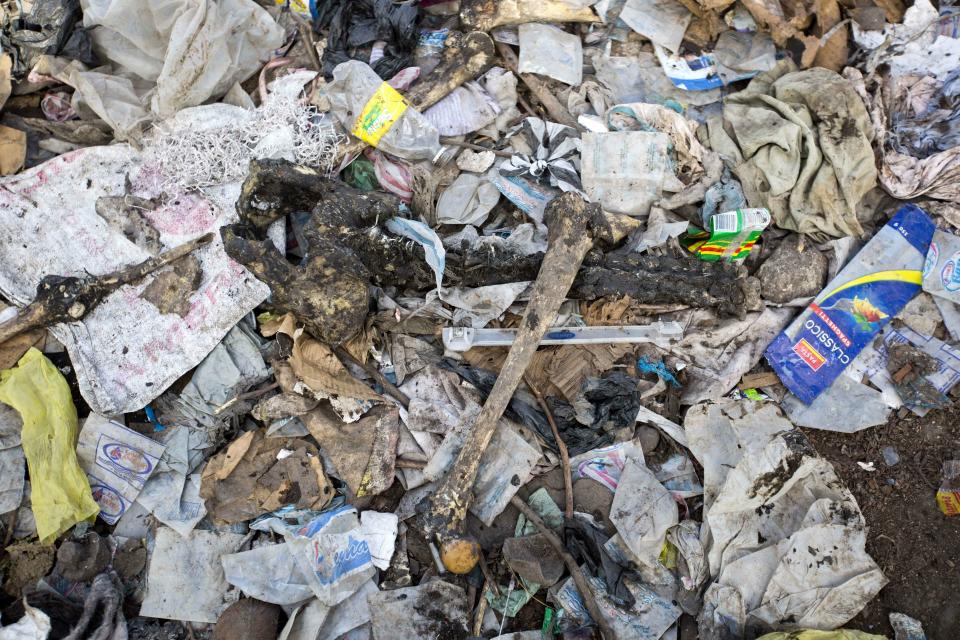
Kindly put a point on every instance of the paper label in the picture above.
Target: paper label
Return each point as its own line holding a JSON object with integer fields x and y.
{"x": 383, "y": 108}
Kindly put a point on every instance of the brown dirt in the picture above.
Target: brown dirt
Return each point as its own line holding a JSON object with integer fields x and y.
{"x": 912, "y": 541}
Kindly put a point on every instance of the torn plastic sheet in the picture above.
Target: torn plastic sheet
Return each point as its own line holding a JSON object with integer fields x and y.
{"x": 552, "y": 155}
{"x": 118, "y": 462}
{"x": 464, "y": 110}
{"x": 231, "y": 368}
{"x": 846, "y": 406}
{"x": 426, "y": 238}
{"x": 34, "y": 625}
{"x": 605, "y": 465}
{"x": 550, "y": 51}
{"x": 642, "y": 511}
{"x": 172, "y": 493}
{"x": 764, "y": 483}
{"x": 269, "y": 573}
{"x": 627, "y": 171}
{"x": 468, "y": 200}
{"x": 678, "y": 475}
{"x": 477, "y": 307}
{"x": 718, "y": 352}
{"x": 191, "y": 51}
{"x": 663, "y": 22}
{"x": 429, "y": 610}
{"x": 185, "y": 580}
{"x": 947, "y": 357}
{"x": 124, "y": 351}
{"x": 508, "y": 456}
{"x": 529, "y": 196}
{"x": 380, "y": 532}
{"x": 941, "y": 270}
{"x": 332, "y": 553}
{"x": 913, "y": 47}
{"x": 12, "y": 461}
{"x": 315, "y": 620}
{"x": 648, "y": 618}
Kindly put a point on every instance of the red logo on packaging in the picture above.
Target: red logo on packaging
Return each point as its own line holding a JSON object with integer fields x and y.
{"x": 809, "y": 355}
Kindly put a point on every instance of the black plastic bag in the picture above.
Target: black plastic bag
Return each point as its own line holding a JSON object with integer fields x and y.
{"x": 356, "y": 24}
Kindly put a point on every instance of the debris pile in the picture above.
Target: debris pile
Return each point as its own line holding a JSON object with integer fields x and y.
{"x": 337, "y": 320}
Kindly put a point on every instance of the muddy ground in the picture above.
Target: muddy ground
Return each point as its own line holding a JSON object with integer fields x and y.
{"x": 917, "y": 546}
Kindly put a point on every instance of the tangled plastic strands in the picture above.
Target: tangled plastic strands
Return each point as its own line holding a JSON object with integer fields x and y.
{"x": 207, "y": 156}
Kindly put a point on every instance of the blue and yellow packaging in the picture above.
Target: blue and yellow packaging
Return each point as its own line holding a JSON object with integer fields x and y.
{"x": 810, "y": 353}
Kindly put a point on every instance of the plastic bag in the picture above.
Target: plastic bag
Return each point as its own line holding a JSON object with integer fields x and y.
{"x": 356, "y": 23}
{"x": 191, "y": 49}
{"x": 813, "y": 634}
{"x": 60, "y": 495}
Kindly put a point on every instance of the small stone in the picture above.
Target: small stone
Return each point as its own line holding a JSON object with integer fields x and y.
{"x": 589, "y": 496}
{"x": 476, "y": 161}
{"x": 533, "y": 559}
{"x": 84, "y": 558}
{"x": 130, "y": 559}
{"x": 649, "y": 438}
{"x": 248, "y": 619}
{"x": 793, "y": 271}
{"x": 890, "y": 456}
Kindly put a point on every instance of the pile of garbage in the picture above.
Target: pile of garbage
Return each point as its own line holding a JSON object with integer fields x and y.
{"x": 338, "y": 319}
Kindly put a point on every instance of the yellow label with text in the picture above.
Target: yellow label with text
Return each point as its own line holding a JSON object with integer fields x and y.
{"x": 383, "y": 108}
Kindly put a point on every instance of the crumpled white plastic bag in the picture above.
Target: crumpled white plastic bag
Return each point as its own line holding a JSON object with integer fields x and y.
{"x": 191, "y": 49}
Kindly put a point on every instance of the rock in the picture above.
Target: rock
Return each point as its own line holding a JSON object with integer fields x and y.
{"x": 83, "y": 559}
{"x": 476, "y": 161}
{"x": 533, "y": 559}
{"x": 649, "y": 438}
{"x": 589, "y": 496}
{"x": 793, "y": 272}
{"x": 248, "y": 619}
{"x": 130, "y": 559}
{"x": 28, "y": 562}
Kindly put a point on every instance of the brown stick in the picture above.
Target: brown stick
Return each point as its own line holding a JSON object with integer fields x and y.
{"x": 578, "y": 578}
{"x": 69, "y": 299}
{"x": 558, "y": 112}
{"x": 561, "y": 447}
{"x": 569, "y": 242}
{"x": 477, "y": 147}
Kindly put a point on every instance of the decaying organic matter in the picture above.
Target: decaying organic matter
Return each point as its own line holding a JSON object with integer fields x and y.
{"x": 650, "y": 279}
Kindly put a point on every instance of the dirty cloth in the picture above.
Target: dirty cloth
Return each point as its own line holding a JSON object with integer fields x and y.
{"x": 125, "y": 351}
{"x": 191, "y": 50}
{"x": 799, "y": 142}
{"x": 917, "y": 120}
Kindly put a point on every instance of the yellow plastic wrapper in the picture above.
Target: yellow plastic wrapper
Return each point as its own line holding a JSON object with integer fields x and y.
{"x": 60, "y": 493}
{"x": 813, "y": 634}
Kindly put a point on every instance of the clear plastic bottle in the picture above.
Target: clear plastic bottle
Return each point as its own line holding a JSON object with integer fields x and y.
{"x": 375, "y": 112}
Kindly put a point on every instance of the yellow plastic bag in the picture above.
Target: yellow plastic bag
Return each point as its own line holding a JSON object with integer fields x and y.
{"x": 60, "y": 493}
{"x": 813, "y": 634}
